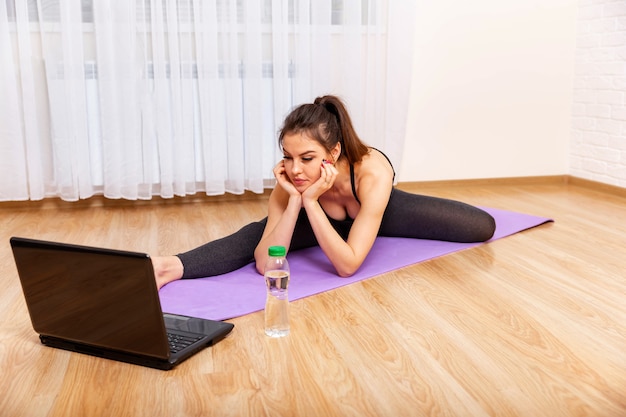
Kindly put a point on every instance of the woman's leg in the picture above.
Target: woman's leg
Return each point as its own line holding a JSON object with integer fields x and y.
{"x": 213, "y": 258}
{"x": 226, "y": 254}
{"x": 223, "y": 255}
{"x": 425, "y": 217}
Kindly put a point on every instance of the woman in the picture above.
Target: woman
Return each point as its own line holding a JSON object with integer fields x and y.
{"x": 335, "y": 192}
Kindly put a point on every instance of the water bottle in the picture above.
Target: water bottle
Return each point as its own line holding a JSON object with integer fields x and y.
{"x": 277, "y": 302}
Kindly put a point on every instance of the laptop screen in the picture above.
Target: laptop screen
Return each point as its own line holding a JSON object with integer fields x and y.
{"x": 98, "y": 297}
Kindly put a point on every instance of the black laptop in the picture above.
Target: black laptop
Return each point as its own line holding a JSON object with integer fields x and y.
{"x": 105, "y": 303}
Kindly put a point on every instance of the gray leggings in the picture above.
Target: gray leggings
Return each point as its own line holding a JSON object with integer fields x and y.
{"x": 407, "y": 215}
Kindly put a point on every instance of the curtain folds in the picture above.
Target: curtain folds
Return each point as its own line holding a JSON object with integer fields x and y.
{"x": 132, "y": 99}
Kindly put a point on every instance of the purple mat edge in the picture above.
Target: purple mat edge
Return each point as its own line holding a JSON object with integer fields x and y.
{"x": 242, "y": 292}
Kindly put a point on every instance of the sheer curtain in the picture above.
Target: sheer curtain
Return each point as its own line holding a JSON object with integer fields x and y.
{"x": 132, "y": 99}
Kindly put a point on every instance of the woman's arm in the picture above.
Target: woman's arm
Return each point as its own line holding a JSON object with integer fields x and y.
{"x": 285, "y": 203}
{"x": 347, "y": 256}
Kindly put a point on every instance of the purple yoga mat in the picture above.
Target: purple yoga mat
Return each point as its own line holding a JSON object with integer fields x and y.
{"x": 243, "y": 291}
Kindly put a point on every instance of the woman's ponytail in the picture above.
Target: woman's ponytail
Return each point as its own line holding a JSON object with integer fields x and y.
{"x": 352, "y": 146}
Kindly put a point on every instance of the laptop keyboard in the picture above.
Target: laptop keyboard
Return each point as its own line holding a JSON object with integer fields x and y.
{"x": 179, "y": 342}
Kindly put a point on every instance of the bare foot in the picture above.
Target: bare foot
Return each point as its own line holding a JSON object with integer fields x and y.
{"x": 167, "y": 269}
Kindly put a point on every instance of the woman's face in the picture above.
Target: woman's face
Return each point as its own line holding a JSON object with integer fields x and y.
{"x": 303, "y": 158}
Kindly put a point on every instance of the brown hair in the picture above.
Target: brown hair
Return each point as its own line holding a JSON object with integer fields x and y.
{"x": 327, "y": 121}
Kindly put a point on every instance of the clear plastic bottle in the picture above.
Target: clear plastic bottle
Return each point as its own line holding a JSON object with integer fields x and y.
{"x": 277, "y": 302}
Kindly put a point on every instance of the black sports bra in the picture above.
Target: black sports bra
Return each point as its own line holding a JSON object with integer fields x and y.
{"x": 352, "y": 175}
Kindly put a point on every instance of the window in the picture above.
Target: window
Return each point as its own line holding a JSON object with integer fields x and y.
{"x": 172, "y": 97}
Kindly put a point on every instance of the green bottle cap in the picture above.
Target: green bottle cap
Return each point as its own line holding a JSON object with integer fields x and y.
{"x": 277, "y": 251}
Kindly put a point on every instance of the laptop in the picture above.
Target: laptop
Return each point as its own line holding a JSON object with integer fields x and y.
{"x": 105, "y": 302}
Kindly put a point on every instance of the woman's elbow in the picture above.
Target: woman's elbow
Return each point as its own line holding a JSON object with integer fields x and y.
{"x": 347, "y": 272}
{"x": 260, "y": 267}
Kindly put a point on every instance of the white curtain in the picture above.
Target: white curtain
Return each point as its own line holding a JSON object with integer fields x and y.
{"x": 132, "y": 99}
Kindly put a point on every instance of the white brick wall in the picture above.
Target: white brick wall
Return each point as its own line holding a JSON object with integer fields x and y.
{"x": 598, "y": 140}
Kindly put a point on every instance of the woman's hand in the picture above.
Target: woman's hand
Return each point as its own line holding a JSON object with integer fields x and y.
{"x": 325, "y": 182}
{"x": 283, "y": 179}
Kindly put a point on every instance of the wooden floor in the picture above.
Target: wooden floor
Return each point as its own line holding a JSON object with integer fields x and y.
{"x": 530, "y": 325}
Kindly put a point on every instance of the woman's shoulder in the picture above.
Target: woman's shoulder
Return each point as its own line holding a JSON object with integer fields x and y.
{"x": 375, "y": 164}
